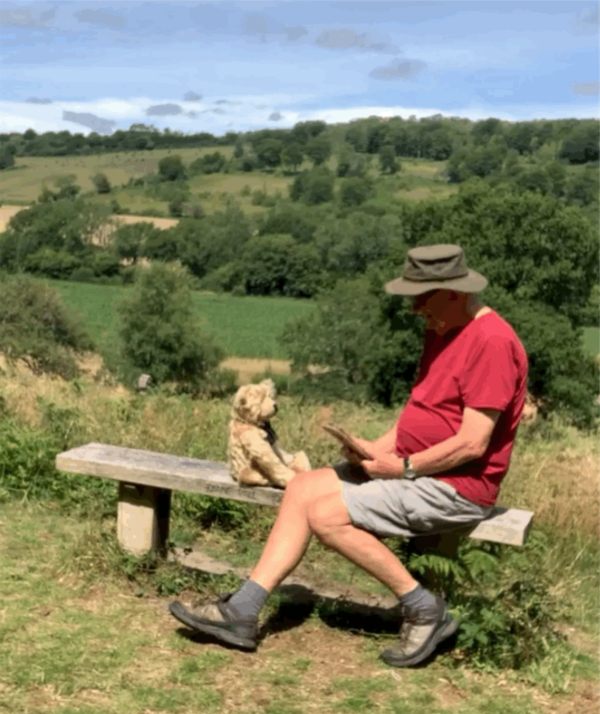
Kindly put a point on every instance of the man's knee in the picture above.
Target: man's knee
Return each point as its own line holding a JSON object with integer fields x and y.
{"x": 309, "y": 486}
{"x": 326, "y": 515}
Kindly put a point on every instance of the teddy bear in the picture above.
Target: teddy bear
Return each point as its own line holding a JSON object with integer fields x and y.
{"x": 254, "y": 455}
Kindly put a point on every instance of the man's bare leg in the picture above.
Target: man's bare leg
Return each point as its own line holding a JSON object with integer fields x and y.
{"x": 313, "y": 504}
{"x": 290, "y": 534}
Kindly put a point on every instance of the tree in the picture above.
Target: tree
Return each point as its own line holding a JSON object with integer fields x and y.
{"x": 268, "y": 152}
{"x": 582, "y": 187}
{"x": 292, "y": 155}
{"x": 531, "y": 245}
{"x": 581, "y": 145}
{"x": 210, "y": 163}
{"x": 68, "y": 225}
{"x": 277, "y": 265}
{"x": 160, "y": 333}
{"x": 387, "y": 159}
{"x": 350, "y": 315}
{"x": 7, "y": 159}
{"x": 36, "y": 327}
{"x": 129, "y": 240}
{"x": 350, "y": 163}
{"x": 314, "y": 186}
{"x": 238, "y": 149}
{"x": 355, "y": 190}
{"x": 348, "y": 245}
{"x": 171, "y": 168}
{"x": 306, "y": 130}
{"x": 318, "y": 149}
{"x": 293, "y": 219}
{"x": 65, "y": 187}
{"x": 101, "y": 183}
{"x": 207, "y": 244}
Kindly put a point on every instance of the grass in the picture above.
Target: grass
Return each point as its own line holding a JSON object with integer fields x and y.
{"x": 244, "y": 326}
{"x": 24, "y": 182}
{"x": 79, "y": 640}
{"x": 417, "y": 180}
{"x": 85, "y": 630}
{"x": 591, "y": 340}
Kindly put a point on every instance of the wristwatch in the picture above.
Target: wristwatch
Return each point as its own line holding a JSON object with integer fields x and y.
{"x": 409, "y": 471}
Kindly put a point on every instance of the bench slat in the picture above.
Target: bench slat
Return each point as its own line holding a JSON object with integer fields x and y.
{"x": 151, "y": 468}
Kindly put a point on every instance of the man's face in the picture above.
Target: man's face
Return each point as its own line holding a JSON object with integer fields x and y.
{"x": 433, "y": 306}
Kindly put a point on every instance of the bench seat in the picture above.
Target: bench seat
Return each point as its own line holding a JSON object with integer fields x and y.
{"x": 147, "y": 479}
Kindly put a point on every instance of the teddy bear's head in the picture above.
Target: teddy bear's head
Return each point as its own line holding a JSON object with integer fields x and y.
{"x": 255, "y": 403}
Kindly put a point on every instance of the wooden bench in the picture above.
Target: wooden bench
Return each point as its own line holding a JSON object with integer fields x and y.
{"x": 147, "y": 479}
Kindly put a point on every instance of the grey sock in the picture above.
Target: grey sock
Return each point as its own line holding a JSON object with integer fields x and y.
{"x": 249, "y": 599}
{"x": 420, "y": 600}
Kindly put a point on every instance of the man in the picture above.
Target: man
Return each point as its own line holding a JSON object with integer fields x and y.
{"x": 439, "y": 468}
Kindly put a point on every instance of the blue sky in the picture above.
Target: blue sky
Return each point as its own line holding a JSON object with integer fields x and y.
{"x": 222, "y": 66}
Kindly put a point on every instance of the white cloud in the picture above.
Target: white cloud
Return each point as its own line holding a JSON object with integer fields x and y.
{"x": 251, "y": 112}
{"x": 590, "y": 89}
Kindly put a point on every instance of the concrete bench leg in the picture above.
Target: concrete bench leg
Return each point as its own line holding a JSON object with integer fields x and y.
{"x": 143, "y": 518}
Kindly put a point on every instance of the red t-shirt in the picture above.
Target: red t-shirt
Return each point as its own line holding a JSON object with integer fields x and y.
{"x": 482, "y": 365}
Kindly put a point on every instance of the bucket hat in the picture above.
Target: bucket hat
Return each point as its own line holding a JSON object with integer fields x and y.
{"x": 436, "y": 267}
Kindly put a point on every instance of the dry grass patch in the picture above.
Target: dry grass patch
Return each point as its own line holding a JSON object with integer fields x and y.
{"x": 558, "y": 479}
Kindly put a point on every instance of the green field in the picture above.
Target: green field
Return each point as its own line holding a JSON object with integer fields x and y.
{"x": 591, "y": 340}
{"x": 243, "y": 326}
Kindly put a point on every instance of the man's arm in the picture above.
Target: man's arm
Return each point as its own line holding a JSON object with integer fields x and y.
{"x": 470, "y": 442}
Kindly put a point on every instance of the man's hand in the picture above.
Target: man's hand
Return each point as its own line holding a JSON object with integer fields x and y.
{"x": 384, "y": 466}
{"x": 351, "y": 456}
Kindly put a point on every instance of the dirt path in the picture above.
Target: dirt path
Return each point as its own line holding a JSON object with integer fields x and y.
{"x": 156, "y": 222}
{"x": 247, "y": 367}
{"x": 6, "y": 213}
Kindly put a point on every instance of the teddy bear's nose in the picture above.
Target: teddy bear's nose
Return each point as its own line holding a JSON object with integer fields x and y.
{"x": 275, "y": 408}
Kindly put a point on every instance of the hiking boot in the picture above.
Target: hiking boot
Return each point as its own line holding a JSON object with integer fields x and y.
{"x": 419, "y": 636}
{"x": 220, "y": 620}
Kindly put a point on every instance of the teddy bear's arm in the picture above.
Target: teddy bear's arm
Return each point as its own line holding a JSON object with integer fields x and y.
{"x": 265, "y": 459}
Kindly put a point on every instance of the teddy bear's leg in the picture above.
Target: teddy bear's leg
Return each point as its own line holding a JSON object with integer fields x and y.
{"x": 250, "y": 477}
{"x": 300, "y": 462}
{"x": 285, "y": 456}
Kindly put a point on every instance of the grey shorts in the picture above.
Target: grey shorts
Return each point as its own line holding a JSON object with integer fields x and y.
{"x": 401, "y": 507}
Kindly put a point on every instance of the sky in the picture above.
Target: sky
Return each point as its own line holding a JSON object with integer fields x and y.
{"x": 238, "y": 66}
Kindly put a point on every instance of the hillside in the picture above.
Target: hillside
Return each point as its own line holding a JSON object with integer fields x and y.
{"x": 22, "y": 184}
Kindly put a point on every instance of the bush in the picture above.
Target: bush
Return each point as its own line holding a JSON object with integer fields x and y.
{"x": 208, "y": 164}
{"x": 171, "y": 168}
{"x": 313, "y": 187}
{"x": 101, "y": 183}
{"x": 53, "y": 263}
{"x": 67, "y": 225}
{"x": 27, "y": 468}
{"x": 277, "y": 265}
{"x": 160, "y": 333}
{"x": 36, "y": 327}
{"x": 355, "y": 190}
{"x": 508, "y": 615}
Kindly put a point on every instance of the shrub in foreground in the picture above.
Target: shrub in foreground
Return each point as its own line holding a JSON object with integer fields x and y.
{"x": 36, "y": 327}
